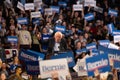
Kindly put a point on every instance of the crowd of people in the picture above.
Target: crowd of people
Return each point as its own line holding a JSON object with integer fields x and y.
{"x": 43, "y": 38}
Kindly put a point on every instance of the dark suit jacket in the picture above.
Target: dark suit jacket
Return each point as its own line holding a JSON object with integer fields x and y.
{"x": 62, "y": 47}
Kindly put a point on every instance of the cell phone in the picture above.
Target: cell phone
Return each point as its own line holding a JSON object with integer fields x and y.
{"x": 14, "y": 52}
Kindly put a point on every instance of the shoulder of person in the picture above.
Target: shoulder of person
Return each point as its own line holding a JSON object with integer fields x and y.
{"x": 12, "y": 77}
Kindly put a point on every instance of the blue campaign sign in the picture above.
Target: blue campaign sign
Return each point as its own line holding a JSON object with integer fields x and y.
{"x": 13, "y": 39}
{"x": 41, "y": 56}
{"x": 89, "y": 17}
{"x": 116, "y": 32}
{"x": 32, "y": 67}
{"x": 99, "y": 62}
{"x": 81, "y": 51}
{"x": 91, "y": 46}
{"x": 113, "y": 12}
{"x": 55, "y": 9}
{"x": 113, "y": 54}
{"x": 45, "y": 36}
{"x": 36, "y": 21}
{"x": 22, "y": 20}
{"x": 68, "y": 32}
{"x": 61, "y": 3}
{"x": 104, "y": 43}
{"x": 68, "y": 55}
{"x": 111, "y": 28}
{"x": 95, "y": 52}
{"x": 60, "y": 28}
{"x": 29, "y": 55}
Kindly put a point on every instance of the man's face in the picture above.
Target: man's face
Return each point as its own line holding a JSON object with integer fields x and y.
{"x": 24, "y": 27}
{"x": 58, "y": 38}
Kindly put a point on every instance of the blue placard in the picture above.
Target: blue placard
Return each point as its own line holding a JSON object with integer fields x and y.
{"x": 13, "y": 39}
{"x": 68, "y": 32}
{"x": 55, "y": 9}
{"x": 45, "y": 36}
{"x": 91, "y": 46}
{"x": 36, "y": 21}
{"x": 116, "y": 32}
{"x": 113, "y": 12}
{"x": 29, "y": 55}
{"x": 41, "y": 56}
{"x": 89, "y": 17}
{"x": 68, "y": 55}
{"x": 60, "y": 28}
{"x": 32, "y": 67}
{"x": 113, "y": 54}
{"x": 104, "y": 43}
{"x": 95, "y": 52}
{"x": 111, "y": 28}
{"x": 81, "y": 51}
{"x": 99, "y": 62}
{"x": 22, "y": 20}
{"x": 61, "y": 3}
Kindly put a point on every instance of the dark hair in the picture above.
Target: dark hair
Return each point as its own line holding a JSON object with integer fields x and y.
{"x": 17, "y": 67}
{"x": 110, "y": 77}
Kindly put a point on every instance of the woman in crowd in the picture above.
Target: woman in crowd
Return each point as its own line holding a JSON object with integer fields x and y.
{"x": 15, "y": 63}
{"x": 3, "y": 76}
{"x": 36, "y": 37}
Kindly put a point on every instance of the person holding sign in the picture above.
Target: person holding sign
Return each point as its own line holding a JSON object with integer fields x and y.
{"x": 36, "y": 36}
{"x": 17, "y": 75}
{"x": 44, "y": 39}
{"x": 56, "y": 44}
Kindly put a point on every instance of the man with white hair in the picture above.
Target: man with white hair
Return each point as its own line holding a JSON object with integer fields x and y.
{"x": 56, "y": 44}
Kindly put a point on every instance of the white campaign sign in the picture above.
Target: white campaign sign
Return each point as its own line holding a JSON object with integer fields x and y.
{"x": 90, "y": 2}
{"x": 116, "y": 38}
{"x": 82, "y": 71}
{"x": 20, "y": 6}
{"x": 113, "y": 46}
{"x": 98, "y": 9}
{"x": 48, "y": 67}
{"x": 78, "y": 7}
{"x": 38, "y": 3}
{"x": 35, "y": 14}
{"x": 48, "y": 11}
{"x": 29, "y": 6}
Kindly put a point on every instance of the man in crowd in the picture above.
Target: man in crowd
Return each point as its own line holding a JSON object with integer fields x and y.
{"x": 56, "y": 44}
